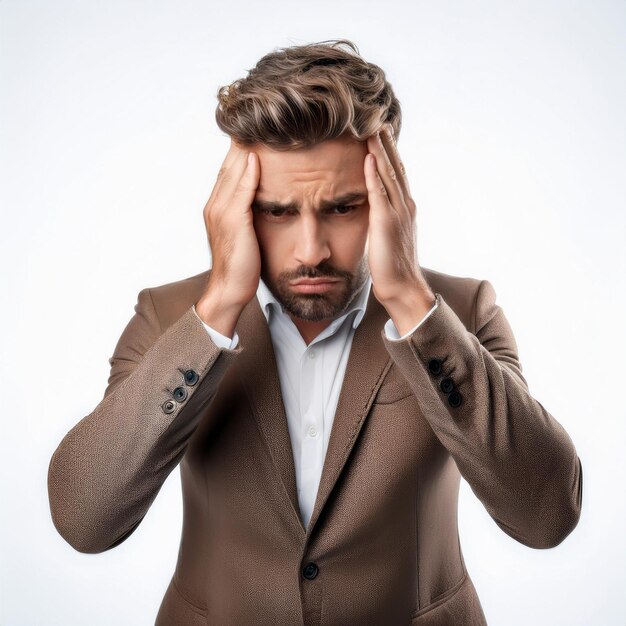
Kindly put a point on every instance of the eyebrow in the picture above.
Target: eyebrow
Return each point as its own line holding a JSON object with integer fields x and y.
{"x": 346, "y": 198}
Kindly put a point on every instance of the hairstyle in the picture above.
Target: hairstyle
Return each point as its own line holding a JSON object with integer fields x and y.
{"x": 298, "y": 96}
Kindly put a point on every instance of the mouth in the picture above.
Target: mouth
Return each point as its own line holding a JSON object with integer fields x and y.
{"x": 314, "y": 281}
{"x": 314, "y": 285}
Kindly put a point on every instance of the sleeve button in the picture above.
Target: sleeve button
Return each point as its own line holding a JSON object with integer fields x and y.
{"x": 455, "y": 399}
{"x": 446, "y": 385}
{"x": 169, "y": 406}
{"x": 434, "y": 366}
{"x": 191, "y": 378}
{"x": 180, "y": 394}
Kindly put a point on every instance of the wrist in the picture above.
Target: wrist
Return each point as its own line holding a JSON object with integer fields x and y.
{"x": 411, "y": 308}
{"x": 218, "y": 313}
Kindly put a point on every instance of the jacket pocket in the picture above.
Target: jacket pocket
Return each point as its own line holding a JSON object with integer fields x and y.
{"x": 459, "y": 606}
{"x": 393, "y": 390}
{"x": 176, "y": 610}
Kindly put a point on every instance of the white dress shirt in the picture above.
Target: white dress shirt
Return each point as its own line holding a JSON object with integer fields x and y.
{"x": 311, "y": 378}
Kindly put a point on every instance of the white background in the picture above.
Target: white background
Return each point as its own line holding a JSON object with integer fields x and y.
{"x": 514, "y": 141}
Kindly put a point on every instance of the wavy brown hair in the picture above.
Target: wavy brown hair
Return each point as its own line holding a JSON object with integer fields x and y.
{"x": 298, "y": 96}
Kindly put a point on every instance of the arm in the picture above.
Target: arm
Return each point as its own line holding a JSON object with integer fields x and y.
{"x": 518, "y": 459}
{"x": 109, "y": 467}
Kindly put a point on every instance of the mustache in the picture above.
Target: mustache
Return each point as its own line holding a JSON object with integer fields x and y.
{"x": 315, "y": 272}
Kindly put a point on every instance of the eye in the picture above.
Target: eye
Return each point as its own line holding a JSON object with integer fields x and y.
{"x": 279, "y": 214}
{"x": 273, "y": 213}
{"x": 343, "y": 209}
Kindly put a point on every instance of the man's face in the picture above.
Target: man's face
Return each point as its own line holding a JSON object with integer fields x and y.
{"x": 312, "y": 238}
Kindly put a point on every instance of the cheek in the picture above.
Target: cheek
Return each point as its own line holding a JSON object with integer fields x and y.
{"x": 348, "y": 242}
{"x": 273, "y": 246}
{"x": 355, "y": 234}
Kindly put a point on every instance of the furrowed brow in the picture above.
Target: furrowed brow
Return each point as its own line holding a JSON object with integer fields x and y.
{"x": 347, "y": 198}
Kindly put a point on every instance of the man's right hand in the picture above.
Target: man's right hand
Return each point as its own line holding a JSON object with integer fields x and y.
{"x": 236, "y": 270}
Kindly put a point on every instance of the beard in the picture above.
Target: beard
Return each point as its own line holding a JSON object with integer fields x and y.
{"x": 315, "y": 307}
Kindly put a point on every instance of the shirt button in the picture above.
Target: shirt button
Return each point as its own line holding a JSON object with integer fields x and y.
{"x": 312, "y": 354}
{"x": 312, "y": 431}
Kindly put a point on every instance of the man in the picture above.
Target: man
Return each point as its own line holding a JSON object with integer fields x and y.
{"x": 321, "y": 390}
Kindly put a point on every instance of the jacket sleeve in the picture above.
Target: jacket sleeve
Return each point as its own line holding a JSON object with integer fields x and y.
{"x": 107, "y": 470}
{"x": 517, "y": 458}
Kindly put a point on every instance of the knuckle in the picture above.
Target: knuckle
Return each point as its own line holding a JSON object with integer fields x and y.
{"x": 213, "y": 210}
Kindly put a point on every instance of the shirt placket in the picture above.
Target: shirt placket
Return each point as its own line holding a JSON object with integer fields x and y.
{"x": 312, "y": 422}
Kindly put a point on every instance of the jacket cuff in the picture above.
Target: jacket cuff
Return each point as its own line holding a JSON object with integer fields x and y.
{"x": 444, "y": 349}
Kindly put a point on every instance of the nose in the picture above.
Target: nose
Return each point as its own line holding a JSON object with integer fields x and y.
{"x": 312, "y": 242}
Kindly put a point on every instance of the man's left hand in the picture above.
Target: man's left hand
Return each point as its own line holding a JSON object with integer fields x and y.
{"x": 397, "y": 279}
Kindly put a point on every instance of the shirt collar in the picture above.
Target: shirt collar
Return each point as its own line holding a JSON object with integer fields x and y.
{"x": 359, "y": 304}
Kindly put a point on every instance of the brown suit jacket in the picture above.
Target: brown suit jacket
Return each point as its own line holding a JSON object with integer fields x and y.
{"x": 382, "y": 546}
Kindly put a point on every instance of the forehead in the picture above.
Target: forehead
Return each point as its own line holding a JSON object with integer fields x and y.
{"x": 332, "y": 164}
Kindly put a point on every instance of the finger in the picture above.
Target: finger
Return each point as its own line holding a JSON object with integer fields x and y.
{"x": 247, "y": 184}
{"x": 378, "y": 198}
{"x": 234, "y": 151}
{"x": 228, "y": 176}
{"x": 230, "y": 155}
{"x": 395, "y": 158}
{"x": 386, "y": 172}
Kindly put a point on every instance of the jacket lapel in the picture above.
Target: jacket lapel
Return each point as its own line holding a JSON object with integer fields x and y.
{"x": 259, "y": 375}
{"x": 367, "y": 364}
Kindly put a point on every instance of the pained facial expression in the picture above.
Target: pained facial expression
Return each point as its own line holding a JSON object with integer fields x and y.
{"x": 313, "y": 238}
